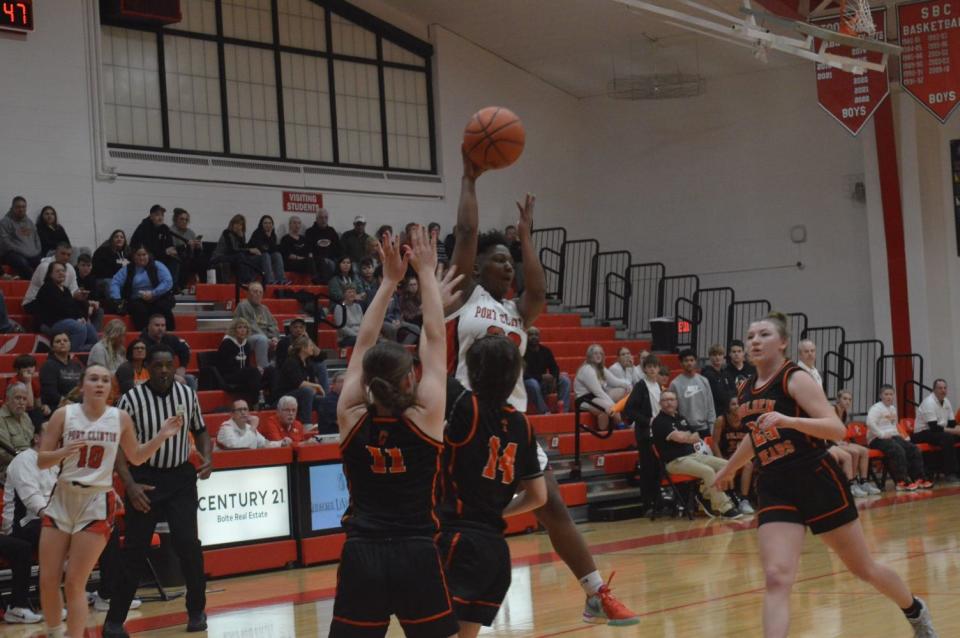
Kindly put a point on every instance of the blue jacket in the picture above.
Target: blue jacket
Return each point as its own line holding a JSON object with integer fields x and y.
{"x": 141, "y": 282}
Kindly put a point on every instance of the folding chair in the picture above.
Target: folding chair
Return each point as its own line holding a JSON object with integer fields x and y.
{"x": 683, "y": 487}
{"x": 857, "y": 433}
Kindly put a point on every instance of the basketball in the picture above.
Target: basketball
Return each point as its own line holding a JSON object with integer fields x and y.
{"x": 494, "y": 137}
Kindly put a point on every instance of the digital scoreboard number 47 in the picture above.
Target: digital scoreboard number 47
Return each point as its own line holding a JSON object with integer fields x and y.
{"x": 16, "y": 16}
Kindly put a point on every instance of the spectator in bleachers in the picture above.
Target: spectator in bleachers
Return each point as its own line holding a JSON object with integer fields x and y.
{"x": 264, "y": 239}
{"x": 232, "y": 249}
{"x": 49, "y": 230}
{"x": 7, "y": 325}
{"x": 694, "y": 395}
{"x": 283, "y": 426}
{"x": 593, "y": 391}
{"x": 295, "y": 250}
{"x": 110, "y": 352}
{"x": 58, "y": 311}
{"x": 324, "y": 243}
{"x": 296, "y": 379}
{"x": 354, "y": 241}
{"x": 156, "y": 333}
{"x": 843, "y": 404}
{"x": 19, "y": 242}
{"x": 367, "y": 283}
{"x": 350, "y": 314}
{"x": 624, "y": 369}
{"x": 382, "y": 232}
{"x": 404, "y": 313}
{"x": 807, "y": 359}
{"x": 26, "y": 491}
{"x": 239, "y": 432}
{"x": 443, "y": 257}
{"x": 642, "y": 406}
{"x": 298, "y": 328}
{"x": 344, "y": 277}
{"x": 904, "y": 459}
{"x": 738, "y": 368}
{"x": 189, "y": 247}
{"x": 86, "y": 282}
{"x": 264, "y": 333}
{"x": 108, "y": 258}
{"x": 676, "y": 443}
{"x": 936, "y": 424}
{"x": 62, "y": 255}
{"x": 142, "y": 289}
{"x": 373, "y": 253}
{"x": 16, "y": 428}
{"x": 133, "y": 371}
{"x": 60, "y": 372}
{"x": 235, "y": 361}
{"x": 859, "y": 456}
{"x": 719, "y": 381}
{"x": 542, "y": 376}
{"x": 25, "y": 372}
{"x": 156, "y": 237}
{"x": 327, "y": 409}
{"x": 663, "y": 377}
{"x": 728, "y": 431}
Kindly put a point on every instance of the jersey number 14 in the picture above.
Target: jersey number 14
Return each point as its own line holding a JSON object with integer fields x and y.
{"x": 504, "y": 462}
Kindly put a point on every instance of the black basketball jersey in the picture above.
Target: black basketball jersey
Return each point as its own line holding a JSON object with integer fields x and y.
{"x": 488, "y": 450}
{"x": 730, "y": 437}
{"x": 777, "y": 450}
{"x": 392, "y": 469}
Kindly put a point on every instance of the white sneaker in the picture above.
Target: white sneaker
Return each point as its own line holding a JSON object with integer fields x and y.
{"x": 103, "y": 604}
{"x": 857, "y": 491}
{"x": 22, "y": 615}
{"x": 746, "y": 508}
{"x": 870, "y": 488}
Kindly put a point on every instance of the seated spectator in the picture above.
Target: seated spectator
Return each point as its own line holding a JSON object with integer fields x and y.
{"x": 284, "y": 426}
{"x": 295, "y": 379}
{"x": 143, "y": 288}
{"x": 16, "y": 428}
{"x": 373, "y": 254}
{"x": 19, "y": 242}
{"x": 367, "y": 283}
{"x": 382, "y": 232}
{"x": 295, "y": 250}
{"x": 542, "y": 376}
{"x": 593, "y": 391}
{"x": 694, "y": 395}
{"x": 404, "y": 316}
{"x": 61, "y": 255}
{"x": 7, "y": 325}
{"x": 110, "y": 352}
{"x": 26, "y": 491}
{"x": 49, "y": 230}
{"x": 624, "y": 370}
{"x": 935, "y": 424}
{"x": 353, "y": 313}
{"x": 156, "y": 333}
{"x": 904, "y": 460}
{"x": 239, "y": 432}
{"x": 738, "y": 369}
{"x": 232, "y": 249}
{"x": 675, "y": 442}
{"x": 133, "y": 371}
{"x": 86, "y": 282}
{"x": 264, "y": 239}
{"x": 442, "y": 256}
{"x": 728, "y": 431}
{"x": 108, "y": 258}
{"x": 716, "y": 376}
{"x": 641, "y": 406}
{"x": 156, "y": 237}
{"x": 807, "y": 359}
{"x": 353, "y": 242}
{"x": 663, "y": 377}
{"x": 58, "y": 311}
{"x": 235, "y": 362}
{"x": 264, "y": 332}
{"x": 25, "y": 372}
{"x": 324, "y": 243}
{"x": 858, "y": 466}
{"x": 327, "y": 408}
{"x": 189, "y": 245}
{"x": 60, "y": 373}
{"x": 296, "y": 329}
{"x": 343, "y": 278}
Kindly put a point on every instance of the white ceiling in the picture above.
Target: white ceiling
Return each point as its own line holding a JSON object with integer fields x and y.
{"x": 579, "y": 45}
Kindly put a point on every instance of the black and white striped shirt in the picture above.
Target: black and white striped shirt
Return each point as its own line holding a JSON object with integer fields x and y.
{"x": 149, "y": 410}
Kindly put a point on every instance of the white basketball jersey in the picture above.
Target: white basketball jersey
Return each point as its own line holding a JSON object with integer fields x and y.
{"x": 482, "y": 315}
{"x": 93, "y": 467}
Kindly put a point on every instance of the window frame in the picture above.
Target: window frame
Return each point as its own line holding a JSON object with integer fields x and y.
{"x": 382, "y": 30}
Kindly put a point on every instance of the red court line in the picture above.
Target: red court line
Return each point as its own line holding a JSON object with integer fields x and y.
{"x": 163, "y": 621}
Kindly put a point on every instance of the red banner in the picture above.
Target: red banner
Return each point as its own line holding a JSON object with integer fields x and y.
{"x": 852, "y": 99}
{"x": 930, "y": 37}
{"x": 297, "y": 202}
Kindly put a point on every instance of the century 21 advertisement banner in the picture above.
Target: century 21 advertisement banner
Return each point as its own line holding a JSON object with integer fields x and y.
{"x": 244, "y": 505}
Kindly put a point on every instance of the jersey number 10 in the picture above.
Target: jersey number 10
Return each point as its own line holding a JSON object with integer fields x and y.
{"x": 504, "y": 462}
{"x": 90, "y": 456}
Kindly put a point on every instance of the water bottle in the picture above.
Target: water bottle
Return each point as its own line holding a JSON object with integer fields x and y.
{"x": 261, "y": 402}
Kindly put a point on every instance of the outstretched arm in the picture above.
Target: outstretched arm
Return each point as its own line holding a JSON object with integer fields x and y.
{"x": 467, "y": 229}
{"x": 534, "y": 296}
{"x": 745, "y": 452}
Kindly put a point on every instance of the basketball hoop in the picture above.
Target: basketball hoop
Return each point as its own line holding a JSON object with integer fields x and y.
{"x": 856, "y": 18}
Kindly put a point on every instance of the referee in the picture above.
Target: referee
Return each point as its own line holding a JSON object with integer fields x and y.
{"x": 163, "y": 488}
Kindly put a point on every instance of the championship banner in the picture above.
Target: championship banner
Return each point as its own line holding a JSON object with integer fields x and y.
{"x": 243, "y": 506}
{"x": 851, "y": 99}
{"x": 930, "y": 37}
{"x": 298, "y": 202}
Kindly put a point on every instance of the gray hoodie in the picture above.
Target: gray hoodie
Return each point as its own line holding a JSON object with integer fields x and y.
{"x": 695, "y": 400}
{"x": 19, "y": 236}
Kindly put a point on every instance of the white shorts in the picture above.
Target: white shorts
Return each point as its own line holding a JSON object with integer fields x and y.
{"x": 542, "y": 458}
{"x": 75, "y": 509}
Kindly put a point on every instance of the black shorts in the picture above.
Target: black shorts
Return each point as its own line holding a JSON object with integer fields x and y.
{"x": 818, "y": 497}
{"x": 380, "y": 577}
{"x": 478, "y": 571}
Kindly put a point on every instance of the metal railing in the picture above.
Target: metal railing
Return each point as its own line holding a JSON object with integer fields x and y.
{"x": 863, "y": 355}
{"x": 612, "y": 284}
{"x": 740, "y": 314}
{"x": 644, "y": 281}
{"x": 686, "y": 317}
{"x": 836, "y": 371}
{"x": 714, "y": 304}
{"x": 797, "y": 325}
{"x": 548, "y": 242}
{"x": 669, "y": 289}
{"x": 602, "y": 264}
{"x": 576, "y": 273}
{"x": 913, "y": 403}
{"x": 578, "y": 429}
{"x": 910, "y": 367}
{"x": 827, "y": 339}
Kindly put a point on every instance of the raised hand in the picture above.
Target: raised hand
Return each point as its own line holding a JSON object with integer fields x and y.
{"x": 422, "y": 252}
{"x": 394, "y": 265}
{"x": 470, "y": 170}
{"x": 525, "y": 223}
{"x": 450, "y": 293}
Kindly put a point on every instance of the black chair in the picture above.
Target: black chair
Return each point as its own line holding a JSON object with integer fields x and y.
{"x": 682, "y": 487}
{"x": 209, "y": 377}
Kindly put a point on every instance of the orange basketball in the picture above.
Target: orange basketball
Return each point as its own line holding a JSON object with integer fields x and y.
{"x": 494, "y": 137}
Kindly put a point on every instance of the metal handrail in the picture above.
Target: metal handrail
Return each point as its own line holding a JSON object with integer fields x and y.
{"x": 624, "y": 298}
{"x": 546, "y": 250}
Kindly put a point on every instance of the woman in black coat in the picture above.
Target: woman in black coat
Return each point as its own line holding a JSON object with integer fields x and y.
{"x": 236, "y": 365}
{"x": 232, "y": 249}
{"x": 264, "y": 239}
{"x": 49, "y": 230}
{"x": 57, "y": 310}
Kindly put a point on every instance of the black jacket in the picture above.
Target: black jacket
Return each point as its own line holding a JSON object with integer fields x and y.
{"x": 179, "y": 346}
{"x": 324, "y": 242}
{"x": 54, "y": 304}
{"x": 49, "y": 238}
{"x": 107, "y": 261}
{"x": 156, "y": 239}
{"x": 639, "y": 411}
{"x": 260, "y": 240}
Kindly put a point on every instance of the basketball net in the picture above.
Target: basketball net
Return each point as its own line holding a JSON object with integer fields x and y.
{"x": 856, "y": 18}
